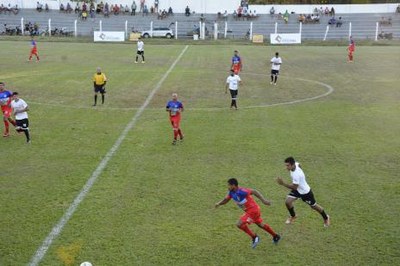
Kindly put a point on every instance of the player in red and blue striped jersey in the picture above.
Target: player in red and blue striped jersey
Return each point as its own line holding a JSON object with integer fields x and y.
{"x": 236, "y": 63}
{"x": 5, "y": 103}
{"x": 175, "y": 108}
{"x": 244, "y": 200}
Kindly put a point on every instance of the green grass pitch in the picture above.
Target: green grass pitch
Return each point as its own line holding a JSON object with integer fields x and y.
{"x": 153, "y": 203}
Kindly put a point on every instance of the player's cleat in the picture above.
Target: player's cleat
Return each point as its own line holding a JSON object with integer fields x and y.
{"x": 274, "y": 84}
{"x": 327, "y": 222}
{"x": 271, "y": 82}
{"x": 136, "y": 62}
{"x": 174, "y": 142}
{"x": 143, "y": 62}
{"x": 255, "y": 242}
{"x": 28, "y": 141}
{"x": 290, "y": 220}
{"x": 276, "y": 239}
{"x": 182, "y": 138}
{"x": 5, "y": 135}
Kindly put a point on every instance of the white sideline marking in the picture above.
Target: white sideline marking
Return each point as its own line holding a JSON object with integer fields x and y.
{"x": 41, "y": 252}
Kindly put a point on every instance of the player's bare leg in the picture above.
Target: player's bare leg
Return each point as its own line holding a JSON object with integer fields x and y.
{"x": 320, "y": 210}
{"x": 289, "y": 205}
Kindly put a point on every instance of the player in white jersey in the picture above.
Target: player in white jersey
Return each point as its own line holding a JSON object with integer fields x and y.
{"x": 299, "y": 189}
{"x": 20, "y": 108}
{"x": 276, "y": 63}
{"x": 140, "y": 50}
{"x": 232, "y": 82}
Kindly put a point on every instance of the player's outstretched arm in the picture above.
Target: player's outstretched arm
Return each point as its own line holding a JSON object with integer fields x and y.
{"x": 292, "y": 186}
{"x": 222, "y": 202}
{"x": 261, "y": 197}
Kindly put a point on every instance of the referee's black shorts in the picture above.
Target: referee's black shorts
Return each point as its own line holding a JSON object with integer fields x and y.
{"x": 275, "y": 72}
{"x": 234, "y": 94}
{"x": 307, "y": 198}
{"x": 99, "y": 88}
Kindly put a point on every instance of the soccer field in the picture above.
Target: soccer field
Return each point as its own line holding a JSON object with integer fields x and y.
{"x": 153, "y": 203}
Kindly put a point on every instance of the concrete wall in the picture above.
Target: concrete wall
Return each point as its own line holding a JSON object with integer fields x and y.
{"x": 215, "y": 6}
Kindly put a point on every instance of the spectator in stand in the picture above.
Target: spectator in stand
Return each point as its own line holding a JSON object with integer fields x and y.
{"x": 272, "y": 11}
{"x": 69, "y": 8}
{"x": 242, "y": 3}
{"x": 286, "y": 16}
{"x": 99, "y": 8}
{"x": 302, "y": 18}
{"x": 240, "y": 12}
{"x": 145, "y": 10}
{"x": 398, "y": 9}
{"x": 156, "y": 2}
{"x": 234, "y": 14}
{"x": 62, "y": 8}
{"x": 187, "y": 11}
{"x": 255, "y": 13}
{"x": 225, "y": 15}
{"x": 170, "y": 12}
{"x": 142, "y": 2}
{"x": 106, "y": 10}
{"x": 339, "y": 22}
{"x": 332, "y": 13}
{"x": 133, "y": 7}
{"x": 151, "y": 10}
{"x": 326, "y": 11}
{"x": 46, "y": 7}
{"x": 39, "y": 7}
{"x": 127, "y": 9}
{"x": 92, "y": 11}
{"x": 77, "y": 8}
{"x": 332, "y": 21}
{"x": 84, "y": 7}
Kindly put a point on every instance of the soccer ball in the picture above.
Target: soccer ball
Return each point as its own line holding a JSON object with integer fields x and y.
{"x": 86, "y": 263}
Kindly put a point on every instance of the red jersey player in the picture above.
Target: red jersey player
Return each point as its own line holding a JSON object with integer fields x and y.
{"x": 5, "y": 102}
{"x": 236, "y": 63}
{"x": 34, "y": 51}
{"x": 351, "y": 48}
{"x": 252, "y": 213}
{"x": 175, "y": 107}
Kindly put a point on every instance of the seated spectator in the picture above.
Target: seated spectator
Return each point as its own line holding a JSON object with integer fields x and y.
{"x": 315, "y": 11}
{"x": 170, "y": 12}
{"x": 69, "y": 8}
{"x": 46, "y": 7}
{"x": 116, "y": 10}
{"x": 234, "y": 14}
{"x": 339, "y": 22}
{"x": 39, "y": 7}
{"x": 286, "y": 16}
{"x": 315, "y": 18}
{"x": 302, "y": 18}
{"x": 332, "y": 21}
{"x": 15, "y": 9}
{"x": 255, "y": 15}
{"x": 187, "y": 11}
{"x": 84, "y": 15}
{"x": 77, "y": 8}
{"x": 106, "y": 10}
{"x": 326, "y": 11}
{"x": 272, "y": 11}
{"x": 2, "y": 8}
{"x": 62, "y": 8}
{"x": 127, "y": 9}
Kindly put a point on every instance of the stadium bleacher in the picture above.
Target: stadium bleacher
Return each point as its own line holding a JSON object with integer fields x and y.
{"x": 363, "y": 25}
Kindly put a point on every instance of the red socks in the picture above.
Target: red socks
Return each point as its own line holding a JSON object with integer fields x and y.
{"x": 247, "y": 230}
{"x": 269, "y": 230}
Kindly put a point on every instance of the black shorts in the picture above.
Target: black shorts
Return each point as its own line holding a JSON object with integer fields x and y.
{"x": 99, "y": 88}
{"x": 307, "y": 198}
{"x": 234, "y": 94}
{"x": 274, "y": 72}
{"x": 140, "y": 53}
{"x": 24, "y": 123}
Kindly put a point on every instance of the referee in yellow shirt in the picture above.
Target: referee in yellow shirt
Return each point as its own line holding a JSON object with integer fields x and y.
{"x": 99, "y": 83}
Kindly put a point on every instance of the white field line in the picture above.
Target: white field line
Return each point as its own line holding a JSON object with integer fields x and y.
{"x": 57, "y": 229}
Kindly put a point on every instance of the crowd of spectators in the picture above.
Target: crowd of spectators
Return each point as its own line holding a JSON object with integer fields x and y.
{"x": 9, "y": 9}
{"x": 90, "y": 9}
